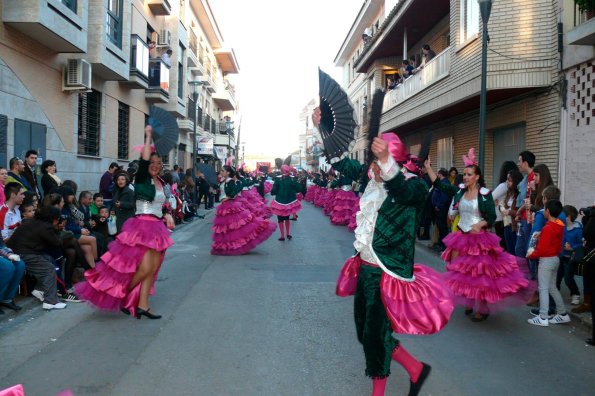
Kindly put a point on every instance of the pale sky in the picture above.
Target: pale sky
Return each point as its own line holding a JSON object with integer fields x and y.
{"x": 279, "y": 45}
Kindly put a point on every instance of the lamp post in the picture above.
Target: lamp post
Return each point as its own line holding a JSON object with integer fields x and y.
{"x": 195, "y": 89}
{"x": 485, "y": 7}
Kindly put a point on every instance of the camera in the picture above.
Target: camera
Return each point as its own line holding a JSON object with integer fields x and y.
{"x": 587, "y": 212}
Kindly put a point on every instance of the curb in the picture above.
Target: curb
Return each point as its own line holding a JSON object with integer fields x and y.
{"x": 584, "y": 319}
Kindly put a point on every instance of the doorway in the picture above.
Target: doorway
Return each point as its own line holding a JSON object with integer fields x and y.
{"x": 508, "y": 143}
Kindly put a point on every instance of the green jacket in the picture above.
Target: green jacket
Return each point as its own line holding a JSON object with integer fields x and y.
{"x": 285, "y": 189}
{"x": 233, "y": 188}
{"x": 485, "y": 201}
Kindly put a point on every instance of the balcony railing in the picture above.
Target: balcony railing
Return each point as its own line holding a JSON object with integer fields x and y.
{"x": 432, "y": 72}
{"x": 159, "y": 75}
{"x": 207, "y": 123}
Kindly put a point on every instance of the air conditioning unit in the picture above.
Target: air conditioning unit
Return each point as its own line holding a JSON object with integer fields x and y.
{"x": 164, "y": 37}
{"x": 76, "y": 75}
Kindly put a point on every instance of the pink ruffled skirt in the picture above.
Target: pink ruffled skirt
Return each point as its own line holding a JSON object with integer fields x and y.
{"x": 236, "y": 230}
{"x": 268, "y": 187}
{"x": 423, "y": 306}
{"x": 280, "y": 209}
{"x": 352, "y": 221}
{"x": 343, "y": 207}
{"x": 482, "y": 275}
{"x": 320, "y": 198}
{"x": 311, "y": 193}
{"x": 329, "y": 201}
{"x": 106, "y": 286}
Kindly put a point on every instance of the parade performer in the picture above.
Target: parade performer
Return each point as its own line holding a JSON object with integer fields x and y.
{"x": 391, "y": 293}
{"x": 343, "y": 204}
{"x": 236, "y": 230}
{"x": 480, "y": 273}
{"x": 126, "y": 274}
{"x": 285, "y": 203}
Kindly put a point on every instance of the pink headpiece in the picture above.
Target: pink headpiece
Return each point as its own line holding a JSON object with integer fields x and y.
{"x": 469, "y": 159}
{"x": 229, "y": 160}
{"x": 395, "y": 146}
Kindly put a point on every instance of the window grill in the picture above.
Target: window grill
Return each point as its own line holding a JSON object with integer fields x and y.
{"x": 89, "y": 123}
{"x": 123, "y": 130}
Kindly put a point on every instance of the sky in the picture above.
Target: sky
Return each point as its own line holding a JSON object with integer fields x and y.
{"x": 279, "y": 45}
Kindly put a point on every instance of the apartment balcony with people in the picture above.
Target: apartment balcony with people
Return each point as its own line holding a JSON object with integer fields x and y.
{"x": 139, "y": 63}
{"x": 445, "y": 76}
{"x": 61, "y": 25}
{"x": 158, "y": 90}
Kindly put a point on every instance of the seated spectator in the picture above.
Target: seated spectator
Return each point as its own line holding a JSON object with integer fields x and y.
{"x": 49, "y": 180}
{"x": 27, "y": 211}
{"x": 31, "y": 199}
{"x": 96, "y": 204}
{"x": 12, "y": 269}
{"x": 16, "y": 174}
{"x": 101, "y": 222}
{"x": 85, "y": 200}
{"x": 10, "y": 216}
{"x": 31, "y": 241}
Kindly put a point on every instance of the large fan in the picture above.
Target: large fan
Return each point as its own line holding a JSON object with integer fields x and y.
{"x": 374, "y": 123}
{"x": 165, "y": 130}
{"x": 337, "y": 123}
{"x": 209, "y": 172}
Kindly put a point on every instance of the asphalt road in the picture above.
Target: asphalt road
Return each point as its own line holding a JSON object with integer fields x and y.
{"x": 269, "y": 323}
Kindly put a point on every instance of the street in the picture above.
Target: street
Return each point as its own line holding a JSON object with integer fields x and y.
{"x": 269, "y": 323}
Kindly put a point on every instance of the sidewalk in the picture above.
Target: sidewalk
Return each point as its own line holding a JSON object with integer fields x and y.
{"x": 584, "y": 318}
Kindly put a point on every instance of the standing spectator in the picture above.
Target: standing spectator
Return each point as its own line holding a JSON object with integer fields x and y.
{"x": 175, "y": 174}
{"x": 10, "y": 216}
{"x": 589, "y": 237}
{"x": 106, "y": 184}
{"x": 31, "y": 242}
{"x": 428, "y": 54}
{"x": 526, "y": 164}
{"x": 152, "y": 49}
{"x": 547, "y": 251}
{"x": 408, "y": 69}
{"x": 542, "y": 180}
{"x": 452, "y": 175}
{"x": 49, "y": 180}
{"x": 166, "y": 57}
{"x": 573, "y": 243}
{"x": 413, "y": 62}
{"x": 203, "y": 190}
{"x": 499, "y": 194}
{"x": 30, "y": 172}
{"x": 124, "y": 204}
{"x": 508, "y": 209}
{"x": 440, "y": 202}
{"x": 3, "y": 178}
{"x": 15, "y": 175}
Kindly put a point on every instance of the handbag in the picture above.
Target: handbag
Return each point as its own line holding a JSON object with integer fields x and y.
{"x": 348, "y": 277}
{"x": 581, "y": 261}
{"x": 112, "y": 229}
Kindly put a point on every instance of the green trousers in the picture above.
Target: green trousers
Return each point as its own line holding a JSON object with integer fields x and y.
{"x": 372, "y": 325}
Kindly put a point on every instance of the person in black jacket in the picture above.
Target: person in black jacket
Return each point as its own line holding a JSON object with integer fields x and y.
{"x": 589, "y": 237}
{"x": 31, "y": 241}
{"x": 49, "y": 180}
{"x": 123, "y": 199}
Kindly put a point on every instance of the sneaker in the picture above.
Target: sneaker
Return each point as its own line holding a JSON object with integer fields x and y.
{"x": 576, "y": 299}
{"x": 59, "y": 305}
{"x": 537, "y": 321}
{"x": 71, "y": 297}
{"x": 535, "y": 312}
{"x": 38, "y": 294}
{"x": 558, "y": 319}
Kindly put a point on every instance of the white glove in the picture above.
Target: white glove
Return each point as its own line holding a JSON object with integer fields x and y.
{"x": 14, "y": 257}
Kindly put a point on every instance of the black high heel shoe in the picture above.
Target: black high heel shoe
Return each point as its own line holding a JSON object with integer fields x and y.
{"x": 141, "y": 312}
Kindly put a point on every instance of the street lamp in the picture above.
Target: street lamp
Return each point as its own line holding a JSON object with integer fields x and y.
{"x": 195, "y": 89}
{"x": 485, "y": 7}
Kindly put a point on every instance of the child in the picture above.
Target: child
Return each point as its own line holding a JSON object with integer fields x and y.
{"x": 27, "y": 211}
{"x": 573, "y": 240}
{"x": 549, "y": 247}
{"x": 101, "y": 222}
{"x": 96, "y": 204}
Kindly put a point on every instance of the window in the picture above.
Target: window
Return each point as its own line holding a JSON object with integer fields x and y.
{"x": 139, "y": 60}
{"x": 469, "y": 24}
{"x": 114, "y": 22}
{"x": 182, "y": 11}
{"x": 181, "y": 78}
{"x": 89, "y": 123}
{"x": 445, "y": 153}
{"x": 70, "y": 4}
{"x": 123, "y": 130}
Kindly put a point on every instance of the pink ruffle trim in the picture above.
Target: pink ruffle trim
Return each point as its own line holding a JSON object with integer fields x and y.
{"x": 285, "y": 209}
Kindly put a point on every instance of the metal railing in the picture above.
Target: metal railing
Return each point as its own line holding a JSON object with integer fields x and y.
{"x": 431, "y": 72}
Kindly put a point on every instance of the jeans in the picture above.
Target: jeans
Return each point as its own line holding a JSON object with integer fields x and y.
{"x": 522, "y": 239}
{"x": 11, "y": 273}
{"x": 43, "y": 269}
{"x": 546, "y": 278}
{"x": 510, "y": 238}
{"x": 566, "y": 272}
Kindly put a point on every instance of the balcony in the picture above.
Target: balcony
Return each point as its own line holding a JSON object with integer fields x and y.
{"x": 186, "y": 125}
{"x": 158, "y": 90}
{"x": 61, "y": 25}
{"x": 139, "y": 64}
{"x": 225, "y": 97}
{"x": 434, "y": 71}
{"x": 206, "y": 124}
{"x": 159, "y": 7}
{"x": 584, "y": 29}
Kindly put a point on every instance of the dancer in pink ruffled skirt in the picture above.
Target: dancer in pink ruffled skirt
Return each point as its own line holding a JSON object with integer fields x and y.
{"x": 126, "y": 274}
{"x": 285, "y": 203}
{"x": 236, "y": 230}
{"x": 483, "y": 277}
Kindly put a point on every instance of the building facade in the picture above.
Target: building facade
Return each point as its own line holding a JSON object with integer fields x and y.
{"x": 79, "y": 77}
{"x": 442, "y": 96}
